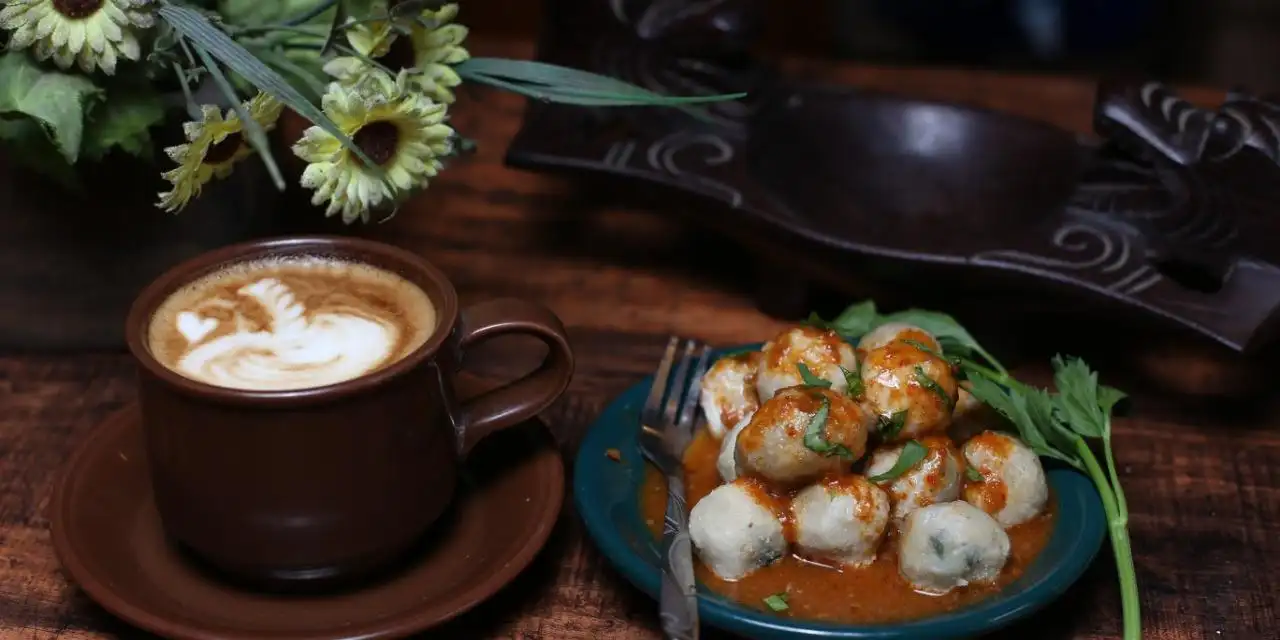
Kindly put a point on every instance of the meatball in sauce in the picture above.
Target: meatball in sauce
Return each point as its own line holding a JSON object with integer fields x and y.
{"x": 910, "y": 388}
{"x": 824, "y": 353}
{"x": 772, "y": 446}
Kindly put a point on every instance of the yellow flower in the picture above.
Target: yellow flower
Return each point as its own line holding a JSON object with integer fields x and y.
{"x": 399, "y": 129}
{"x": 92, "y": 33}
{"x": 214, "y": 144}
{"x": 426, "y": 45}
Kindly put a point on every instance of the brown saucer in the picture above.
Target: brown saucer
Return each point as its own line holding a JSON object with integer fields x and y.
{"x": 109, "y": 540}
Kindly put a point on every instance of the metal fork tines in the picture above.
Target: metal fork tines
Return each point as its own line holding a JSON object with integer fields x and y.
{"x": 667, "y": 426}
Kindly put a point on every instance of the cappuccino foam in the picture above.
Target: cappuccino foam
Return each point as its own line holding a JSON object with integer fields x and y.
{"x": 290, "y": 323}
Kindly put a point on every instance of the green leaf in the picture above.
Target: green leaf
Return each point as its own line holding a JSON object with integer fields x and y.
{"x": 253, "y": 13}
{"x": 953, "y": 360}
{"x": 856, "y": 320}
{"x": 933, "y": 387}
{"x": 777, "y": 602}
{"x": 912, "y": 453}
{"x": 305, "y": 80}
{"x": 1077, "y": 397}
{"x": 972, "y": 474}
{"x": 123, "y": 120}
{"x": 811, "y": 380}
{"x": 954, "y": 338}
{"x": 853, "y": 381}
{"x": 54, "y": 99}
{"x": 815, "y": 438}
{"x": 1013, "y": 406}
{"x": 1108, "y": 398}
{"x": 253, "y": 131}
{"x": 890, "y": 426}
{"x": 570, "y": 86}
{"x": 29, "y": 146}
{"x": 199, "y": 30}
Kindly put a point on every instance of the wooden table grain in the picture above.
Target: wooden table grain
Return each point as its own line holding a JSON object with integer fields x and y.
{"x": 1203, "y": 480}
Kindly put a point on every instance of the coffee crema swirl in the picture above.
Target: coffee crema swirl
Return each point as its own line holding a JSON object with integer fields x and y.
{"x": 290, "y": 323}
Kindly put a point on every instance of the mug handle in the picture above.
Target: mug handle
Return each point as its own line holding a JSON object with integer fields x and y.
{"x": 523, "y": 398}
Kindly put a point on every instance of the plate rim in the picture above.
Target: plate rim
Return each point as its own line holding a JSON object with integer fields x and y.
{"x": 720, "y": 612}
{"x": 78, "y": 572}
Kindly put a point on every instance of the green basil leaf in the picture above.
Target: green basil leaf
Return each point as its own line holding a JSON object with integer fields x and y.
{"x": 891, "y": 425}
{"x": 811, "y": 380}
{"x": 933, "y": 387}
{"x": 912, "y": 453}
{"x": 853, "y": 381}
{"x": 815, "y": 438}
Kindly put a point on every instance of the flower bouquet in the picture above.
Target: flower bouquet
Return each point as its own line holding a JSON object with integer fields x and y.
{"x": 375, "y": 78}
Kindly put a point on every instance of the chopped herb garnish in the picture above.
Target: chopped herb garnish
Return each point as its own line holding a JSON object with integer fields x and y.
{"x": 912, "y": 453}
{"x": 939, "y": 547}
{"x": 936, "y": 389}
{"x": 972, "y": 474}
{"x": 811, "y": 380}
{"x": 815, "y": 438}
{"x": 931, "y": 351}
{"x": 777, "y": 602}
{"x": 853, "y": 380}
{"x": 891, "y": 425}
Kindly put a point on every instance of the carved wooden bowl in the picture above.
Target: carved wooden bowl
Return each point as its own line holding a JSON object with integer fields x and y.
{"x": 1165, "y": 219}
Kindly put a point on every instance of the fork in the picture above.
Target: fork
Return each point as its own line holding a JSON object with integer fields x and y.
{"x": 666, "y": 428}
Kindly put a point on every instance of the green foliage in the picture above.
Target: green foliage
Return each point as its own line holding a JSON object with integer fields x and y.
{"x": 55, "y": 100}
{"x": 123, "y": 120}
{"x": 34, "y": 150}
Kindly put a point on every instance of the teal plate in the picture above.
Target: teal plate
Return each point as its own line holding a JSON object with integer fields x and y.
{"x": 606, "y": 494}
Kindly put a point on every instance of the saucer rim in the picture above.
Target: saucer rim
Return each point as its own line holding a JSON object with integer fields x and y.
{"x": 76, "y": 569}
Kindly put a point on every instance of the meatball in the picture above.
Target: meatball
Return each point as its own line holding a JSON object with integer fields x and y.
{"x": 894, "y": 331}
{"x": 842, "y": 519}
{"x": 1013, "y": 487}
{"x": 824, "y": 352}
{"x": 938, "y": 477}
{"x": 772, "y": 445}
{"x": 949, "y": 545}
{"x": 735, "y": 530}
{"x": 729, "y": 392}
{"x": 909, "y": 388}
{"x": 726, "y": 462}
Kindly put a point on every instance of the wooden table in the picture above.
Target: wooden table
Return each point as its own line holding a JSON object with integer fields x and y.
{"x": 1203, "y": 484}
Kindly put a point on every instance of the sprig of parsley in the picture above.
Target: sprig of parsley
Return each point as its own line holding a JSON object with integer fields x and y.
{"x": 1057, "y": 424}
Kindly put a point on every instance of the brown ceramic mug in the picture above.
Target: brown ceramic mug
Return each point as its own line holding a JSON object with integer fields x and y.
{"x": 314, "y": 485}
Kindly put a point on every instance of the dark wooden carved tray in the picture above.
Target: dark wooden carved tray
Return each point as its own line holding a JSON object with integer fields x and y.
{"x": 1170, "y": 213}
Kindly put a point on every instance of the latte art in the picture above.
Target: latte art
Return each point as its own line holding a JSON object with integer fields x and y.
{"x": 291, "y": 324}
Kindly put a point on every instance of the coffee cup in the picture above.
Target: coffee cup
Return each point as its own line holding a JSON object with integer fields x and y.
{"x": 298, "y": 403}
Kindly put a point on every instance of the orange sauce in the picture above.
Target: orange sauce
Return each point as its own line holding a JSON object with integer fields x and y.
{"x": 872, "y": 594}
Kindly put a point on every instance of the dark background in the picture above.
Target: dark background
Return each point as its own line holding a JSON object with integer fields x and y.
{"x": 1215, "y": 42}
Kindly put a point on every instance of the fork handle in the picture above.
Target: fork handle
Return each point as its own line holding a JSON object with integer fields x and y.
{"x": 678, "y": 599}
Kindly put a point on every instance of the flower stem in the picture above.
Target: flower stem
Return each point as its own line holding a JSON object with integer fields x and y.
{"x": 306, "y": 16}
{"x": 1117, "y": 525}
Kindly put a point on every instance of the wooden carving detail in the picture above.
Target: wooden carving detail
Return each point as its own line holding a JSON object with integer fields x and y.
{"x": 1173, "y": 215}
